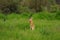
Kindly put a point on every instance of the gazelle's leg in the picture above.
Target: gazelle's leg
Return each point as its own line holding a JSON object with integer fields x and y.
{"x": 33, "y": 28}
{"x": 30, "y": 27}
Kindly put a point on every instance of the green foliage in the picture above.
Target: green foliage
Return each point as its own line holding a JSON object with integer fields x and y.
{"x": 2, "y": 16}
{"x": 19, "y": 29}
{"x": 16, "y": 26}
{"x": 45, "y": 15}
{"x": 8, "y": 6}
{"x": 58, "y": 15}
{"x": 40, "y": 15}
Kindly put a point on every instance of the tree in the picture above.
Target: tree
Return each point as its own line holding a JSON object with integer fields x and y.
{"x": 8, "y": 6}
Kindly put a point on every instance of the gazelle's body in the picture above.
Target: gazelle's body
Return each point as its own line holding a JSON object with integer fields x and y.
{"x": 32, "y": 26}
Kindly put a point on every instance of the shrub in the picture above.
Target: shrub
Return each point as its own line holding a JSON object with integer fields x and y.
{"x": 44, "y": 15}
{"x": 58, "y": 15}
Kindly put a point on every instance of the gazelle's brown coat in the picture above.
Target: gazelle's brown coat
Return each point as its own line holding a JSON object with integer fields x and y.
{"x": 32, "y": 26}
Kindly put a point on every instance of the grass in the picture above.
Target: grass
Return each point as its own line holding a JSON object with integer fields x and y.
{"x": 16, "y": 27}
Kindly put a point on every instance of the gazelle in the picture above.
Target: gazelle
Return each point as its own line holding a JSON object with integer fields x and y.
{"x": 32, "y": 26}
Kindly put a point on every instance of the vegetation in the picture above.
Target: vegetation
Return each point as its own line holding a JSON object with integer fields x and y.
{"x": 16, "y": 27}
{"x": 9, "y": 6}
{"x": 14, "y": 19}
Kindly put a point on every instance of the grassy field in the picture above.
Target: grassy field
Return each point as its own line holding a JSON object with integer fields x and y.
{"x": 16, "y": 27}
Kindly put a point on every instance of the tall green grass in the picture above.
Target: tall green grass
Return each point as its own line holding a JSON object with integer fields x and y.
{"x": 40, "y": 15}
{"x": 16, "y": 27}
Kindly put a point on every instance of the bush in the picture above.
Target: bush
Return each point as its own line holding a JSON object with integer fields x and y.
{"x": 8, "y": 6}
{"x": 58, "y": 15}
{"x": 2, "y": 16}
{"x": 44, "y": 15}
